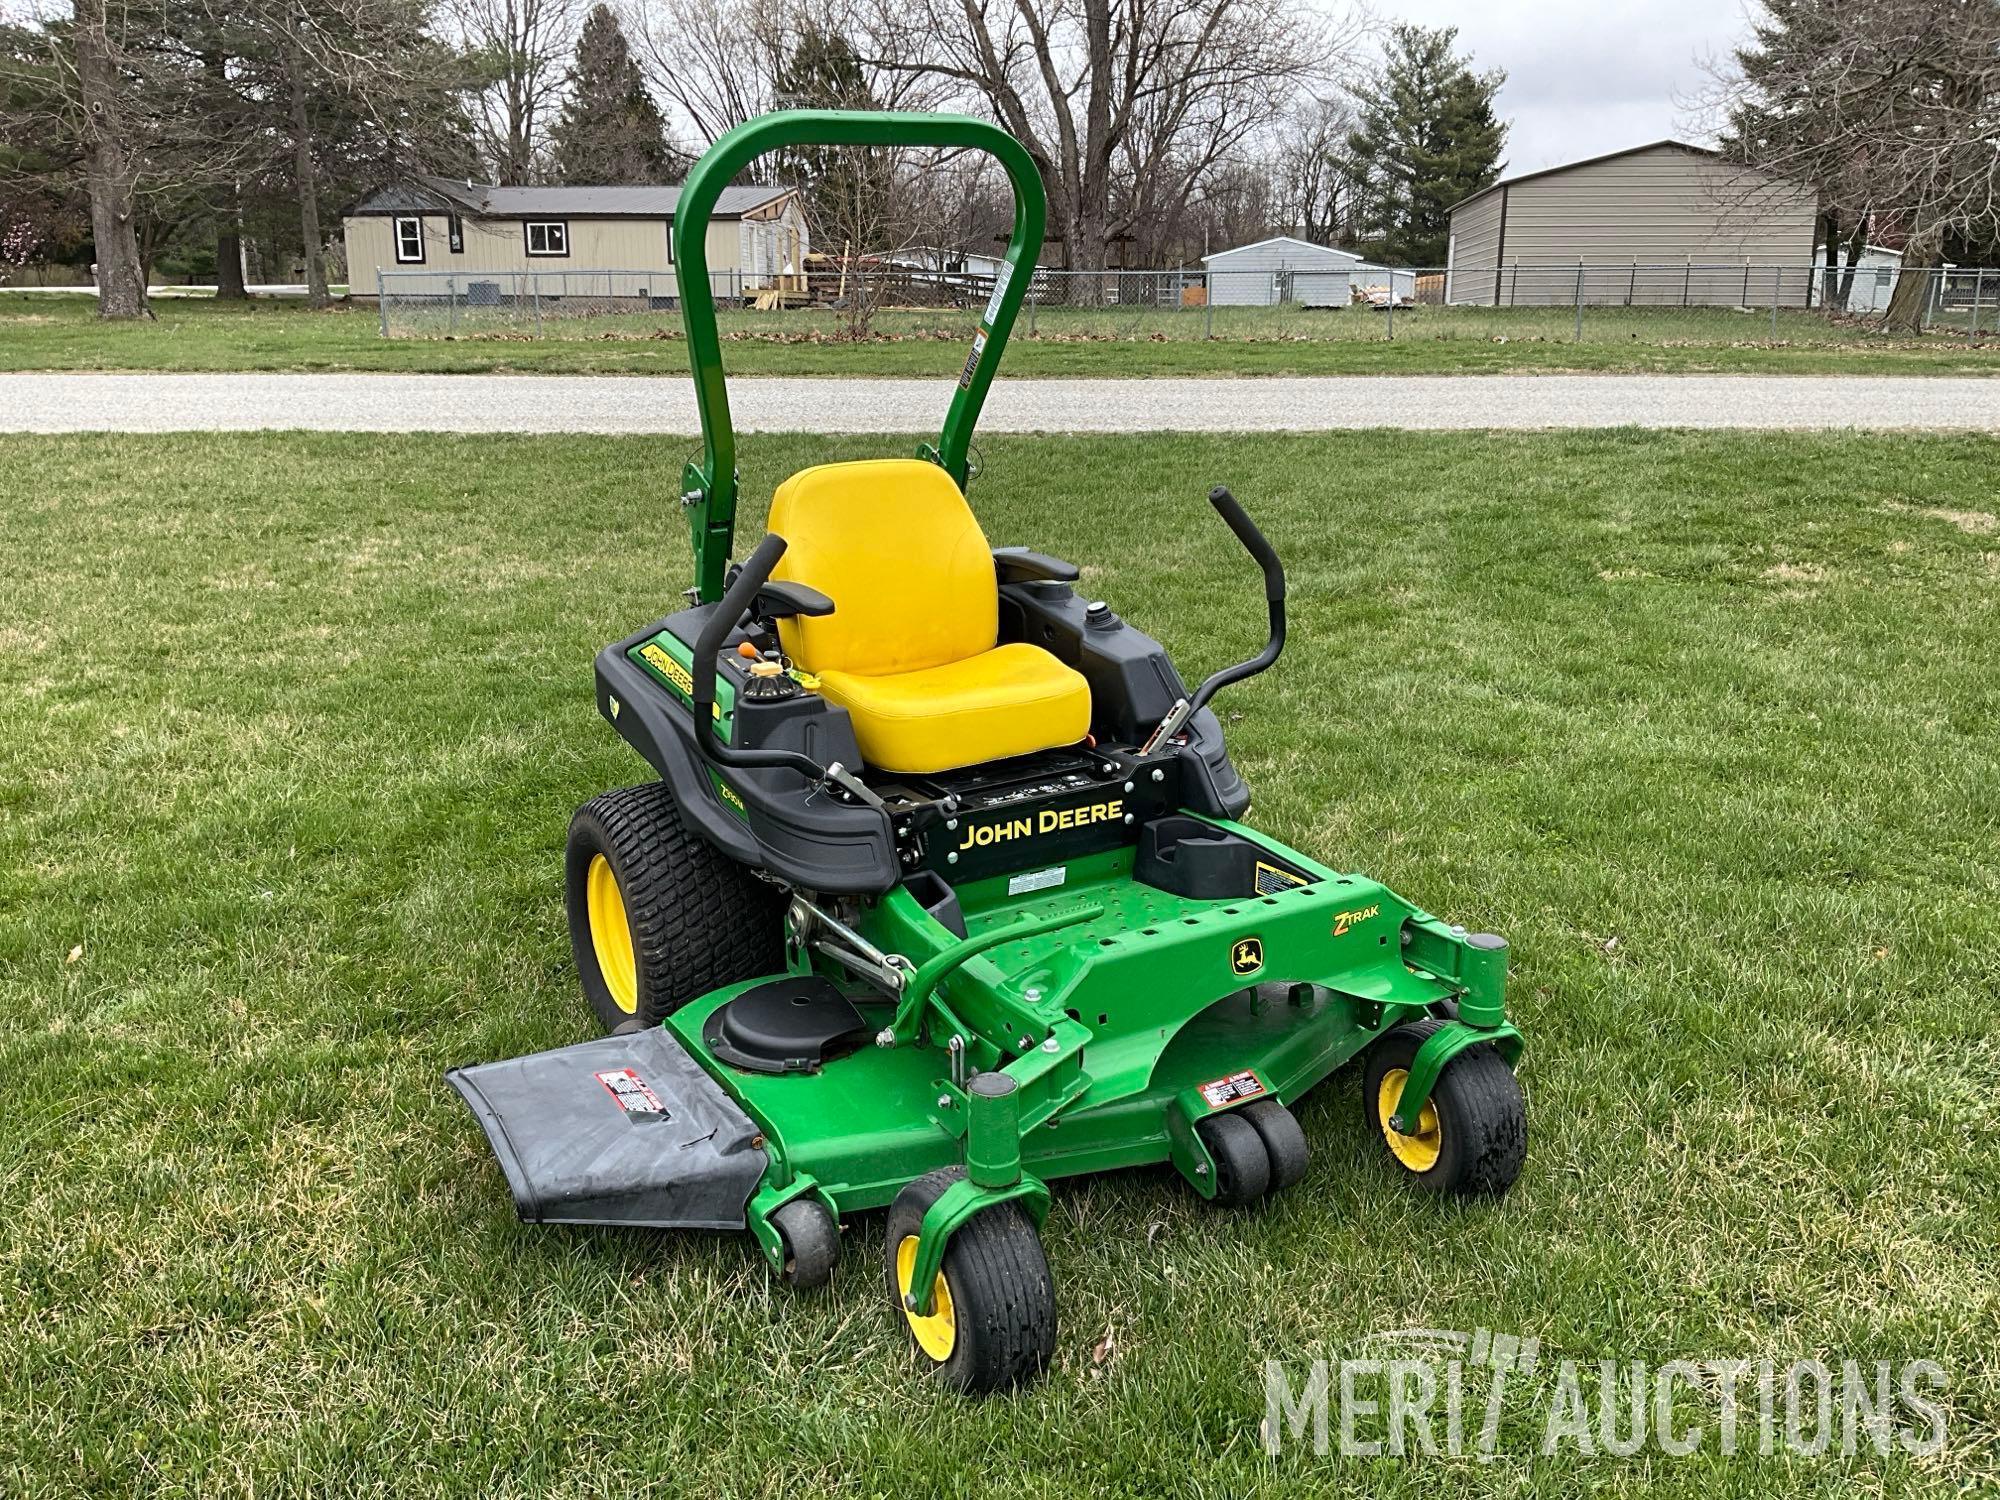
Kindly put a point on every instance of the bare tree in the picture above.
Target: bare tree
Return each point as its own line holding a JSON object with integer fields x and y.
{"x": 522, "y": 48}
{"x": 1891, "y": 109}
{"x": 113, "y": 100}
{"x": 1315, "y": 189}
{"x": 1125, "y": 105}
{"x": 714, "y": 61}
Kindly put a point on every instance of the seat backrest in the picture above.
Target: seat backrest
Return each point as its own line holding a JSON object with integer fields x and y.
{"x": 894, "y": 545}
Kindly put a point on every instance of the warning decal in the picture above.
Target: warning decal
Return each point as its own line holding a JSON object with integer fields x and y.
{"x": 1233, "y": 1089}
{"x": 1271, "y": 879}
{"x": 634, "y": 1095}
{"x": 972, "y": 360}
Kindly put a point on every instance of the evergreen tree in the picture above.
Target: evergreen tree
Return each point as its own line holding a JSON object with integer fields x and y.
{"x": 610, "y": 130}
{"x": 1428, "y": 139}
{"x": 824, "y": 72}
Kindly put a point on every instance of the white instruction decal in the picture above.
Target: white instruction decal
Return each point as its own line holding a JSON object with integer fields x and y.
{"x": 1036, "y": 880}
{"x": 1000, "y": 279}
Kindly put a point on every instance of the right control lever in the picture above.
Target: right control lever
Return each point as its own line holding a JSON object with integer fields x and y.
{"x": 1258, "y": 547}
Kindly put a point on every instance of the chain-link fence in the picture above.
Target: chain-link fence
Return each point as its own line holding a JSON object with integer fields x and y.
{"x": 1682, "y": 302}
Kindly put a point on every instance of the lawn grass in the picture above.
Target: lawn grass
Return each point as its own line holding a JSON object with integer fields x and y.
{"x": 294, "y": 725}
{"x": 39, "y": 332}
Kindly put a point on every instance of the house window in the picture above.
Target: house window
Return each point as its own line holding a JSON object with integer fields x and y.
{"x": 547, "y": 237}
{"x": 455, "y": 231}
{"x": 409, "y": 242}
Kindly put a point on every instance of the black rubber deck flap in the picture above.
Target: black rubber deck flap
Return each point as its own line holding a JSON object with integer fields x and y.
{"x": 622, "y": 1130}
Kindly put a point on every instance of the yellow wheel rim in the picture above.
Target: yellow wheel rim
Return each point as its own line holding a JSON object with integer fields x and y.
{"x": 611, "y": 935}
{"x": 1418, "y": 1152}
{"x": 937, "y": 1334}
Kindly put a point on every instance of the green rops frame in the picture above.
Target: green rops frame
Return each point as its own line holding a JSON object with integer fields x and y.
{"x": 708, "y": 488}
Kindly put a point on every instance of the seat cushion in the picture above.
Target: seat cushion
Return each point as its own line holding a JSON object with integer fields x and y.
{"x": 892, "y": 542}
{"x": 1011, "y": 700}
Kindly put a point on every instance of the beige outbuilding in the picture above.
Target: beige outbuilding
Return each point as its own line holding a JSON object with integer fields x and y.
{"x": 1668, "y": 224}
{"x": 445, "y": 228}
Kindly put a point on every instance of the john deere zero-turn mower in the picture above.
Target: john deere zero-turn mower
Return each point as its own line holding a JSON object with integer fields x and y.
{"x": 941, "y": 891}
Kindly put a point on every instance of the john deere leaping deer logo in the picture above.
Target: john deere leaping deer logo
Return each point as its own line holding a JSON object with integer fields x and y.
{"x": 1247, "y": 957}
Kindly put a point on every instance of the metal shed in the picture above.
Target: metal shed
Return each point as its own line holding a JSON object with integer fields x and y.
{"x": 1280, "y": 269}
{"x": 1663, "y": 224}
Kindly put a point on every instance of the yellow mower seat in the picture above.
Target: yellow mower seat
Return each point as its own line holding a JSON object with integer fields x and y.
{"x": 912, "y": 649}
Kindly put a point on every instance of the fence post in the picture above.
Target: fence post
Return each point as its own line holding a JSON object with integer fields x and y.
{"x": 1579, "y": 303}
{"x": 1687, "y": 281}
{"x": 1978, "y": 291}
{"x": 1034, "y": 301}
{"x": 382, "y": 301}
{"x": 1632, "y": 285}
{"x": 1745, "y": 299}
{"x": 1777, "y": 272}
{"x": 1208, "y": 307}
{"x": 1391, "y": 334}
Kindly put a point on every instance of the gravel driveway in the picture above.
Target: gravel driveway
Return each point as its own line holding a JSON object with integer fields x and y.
{"x": 665, "y": 404}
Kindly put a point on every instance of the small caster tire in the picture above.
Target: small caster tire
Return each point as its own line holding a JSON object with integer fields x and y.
{"x": 992, "y": 1324}
{"x": 811, "y": 1241}
{"x": 1283, "y": 1140}
{"x": 1471, "y": 1137}
{"x": 1242, "y": 1165}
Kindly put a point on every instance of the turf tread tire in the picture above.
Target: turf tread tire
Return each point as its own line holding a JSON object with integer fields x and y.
{"x": 1001, "y": 1290}
{"x": 699, "y": 920}
{"x": 1482, "y": 1116}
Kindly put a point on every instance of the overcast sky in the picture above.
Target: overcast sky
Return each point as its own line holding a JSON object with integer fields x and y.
{"x": 1588, "y": 76}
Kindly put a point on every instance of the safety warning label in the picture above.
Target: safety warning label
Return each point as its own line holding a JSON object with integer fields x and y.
{"x": 634, "y": 1095}
{"x": 1231, "y": 1090}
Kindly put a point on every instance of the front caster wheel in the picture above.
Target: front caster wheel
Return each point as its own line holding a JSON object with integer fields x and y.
{"x": 1242, "y": 1164}
{"x": 811, "y": 1242}
{"x": 992, "y": 1323}
{"x": 1471, "y": 1136}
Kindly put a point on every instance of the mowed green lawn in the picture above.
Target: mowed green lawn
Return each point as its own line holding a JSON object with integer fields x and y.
{"x": 294, "y": 725}
{"x": 46, "y": 332}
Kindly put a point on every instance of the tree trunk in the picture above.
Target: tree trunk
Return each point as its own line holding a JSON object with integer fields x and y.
{"x": 231, "y": 255}
{"x": 302, "y": 168}
{"x": 1856, "y": 243}
{"x": 1909, "y": 304}
{"x": 1829, "y": 282}
{"x": 121, "y": 281}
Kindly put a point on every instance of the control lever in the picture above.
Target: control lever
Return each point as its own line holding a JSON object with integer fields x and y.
{"x": 751, "y": 580}
{"x": 1255, "y": 544}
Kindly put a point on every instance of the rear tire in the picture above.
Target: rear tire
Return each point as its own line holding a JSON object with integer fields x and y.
{"x": 658, "y": 915}
{"x": 993, "y": 1326}
{"x": 1242, "y": 1165}
{"x": 1471, "y": 1137}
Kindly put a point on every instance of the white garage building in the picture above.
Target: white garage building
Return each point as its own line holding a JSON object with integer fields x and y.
{"x": 1287, "y": 269}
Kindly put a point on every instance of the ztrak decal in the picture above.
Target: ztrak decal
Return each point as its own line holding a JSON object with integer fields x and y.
{"x": 1048, "y": 820}
{"x": 1232, "y": 1090}
{"x": 1344, "y": 921}
{"x": 634, "y": 1095}
{"x": 1246, "y": 956}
